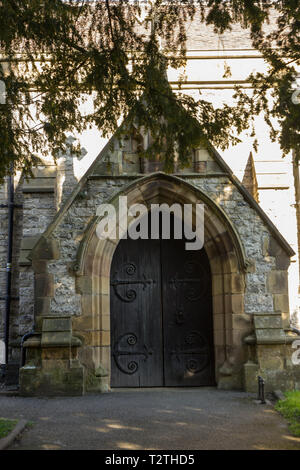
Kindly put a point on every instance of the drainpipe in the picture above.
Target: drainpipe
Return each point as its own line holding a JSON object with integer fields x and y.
{"x": 8, "y": 297}
{"x": 10, "y": 203}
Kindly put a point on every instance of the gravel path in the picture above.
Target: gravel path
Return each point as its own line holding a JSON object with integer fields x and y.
{"x": 155, "y": 419}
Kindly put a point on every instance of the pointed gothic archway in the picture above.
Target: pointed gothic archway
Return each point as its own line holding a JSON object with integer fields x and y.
{"x": 227, "y": 264}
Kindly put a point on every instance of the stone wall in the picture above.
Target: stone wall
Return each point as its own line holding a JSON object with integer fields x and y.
{"x": 252, "y": 231}
{"x": 69, "y": 234}
{"x": 49, "y": 287}
{"x": 262, "y": 300}
{"x": 36, "y": 198}
{"x": 38, "y": 211}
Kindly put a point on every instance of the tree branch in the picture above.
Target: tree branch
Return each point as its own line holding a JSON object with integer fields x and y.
{"x": 110, "y": 20}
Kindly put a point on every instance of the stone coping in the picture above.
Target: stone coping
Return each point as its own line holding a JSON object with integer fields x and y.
{"x": 284, "y": 339}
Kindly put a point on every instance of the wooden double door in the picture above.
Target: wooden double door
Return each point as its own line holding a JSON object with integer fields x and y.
{"x": 161, "y": 315}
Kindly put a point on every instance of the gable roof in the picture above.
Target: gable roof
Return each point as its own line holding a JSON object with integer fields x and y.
{"x": 221, "y": 167}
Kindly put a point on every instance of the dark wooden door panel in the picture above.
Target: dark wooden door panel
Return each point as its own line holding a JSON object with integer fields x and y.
{"x": 136, "y": 319}
{"x": 187, "y": 315}
{"x": 161, "y": 315}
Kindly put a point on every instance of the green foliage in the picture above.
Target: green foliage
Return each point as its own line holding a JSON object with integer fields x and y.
{"x": 290, "y": 409}
{"x": 60, "y": 52}
{"x": 6, "y": 426}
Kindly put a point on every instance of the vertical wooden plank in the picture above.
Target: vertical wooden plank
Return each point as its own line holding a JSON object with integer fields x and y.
{"x": 187, "y": 316}
{"x": 136, "y": 330}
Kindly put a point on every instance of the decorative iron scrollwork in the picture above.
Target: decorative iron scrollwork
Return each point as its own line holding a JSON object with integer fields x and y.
{"x": 193, "y": 366}
{"x": 130, "y": 269}
{"x": 129, "y": 294}
{"x": 189, "y": 266}
{"x": 194, "y": 352}
{"x": 193, "y": 287}
{"x": 132, "y": 339}
{"x": 120, "y": 352}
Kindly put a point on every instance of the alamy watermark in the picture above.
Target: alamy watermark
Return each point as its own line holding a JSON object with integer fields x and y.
{"x": 186, "y": 222}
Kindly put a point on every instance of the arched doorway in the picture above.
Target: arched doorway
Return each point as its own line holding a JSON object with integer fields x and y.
{"x": 227, "y": 264}
{"x": 161, "y": 315}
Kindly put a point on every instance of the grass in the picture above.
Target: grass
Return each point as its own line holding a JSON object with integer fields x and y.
{"x": 290, "y": 409}
{"x": 6, "y": 426}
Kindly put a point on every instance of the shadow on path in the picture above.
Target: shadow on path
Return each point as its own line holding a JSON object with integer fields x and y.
{"x": 169, "y": 418}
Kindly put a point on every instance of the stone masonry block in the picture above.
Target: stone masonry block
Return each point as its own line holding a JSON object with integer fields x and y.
{"x": 55, "y": 339}
{"x": 219, "y": 321}
{"x": 281, "y": 302}
{"x": 238, "y": 283}
{"x": 57, "y": 324}
{"x": 83, "y": 322}
{"x": 42, "y": 306}
{"x": 29, "y": 242}
{"x": 250, "y": 377}
{"x": 44, "y": 285}
{"x": 282, "y": 261}
{"x": 217, "y": 284}
{"x": 40, "y": 266}
{"x": 270, "y": 336}
{"x": 218, "y": 304}
{"x": 242, "y": 322}
{"x": 278, "y": 282}
{"x": 237, "y": 301}
{"x": 84, "y": 285}
{"x": 46, "y": 248}
{"x": 274, "y": 248}
{"x": 271, "y": 357}
{"x": 272, "y": 321}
